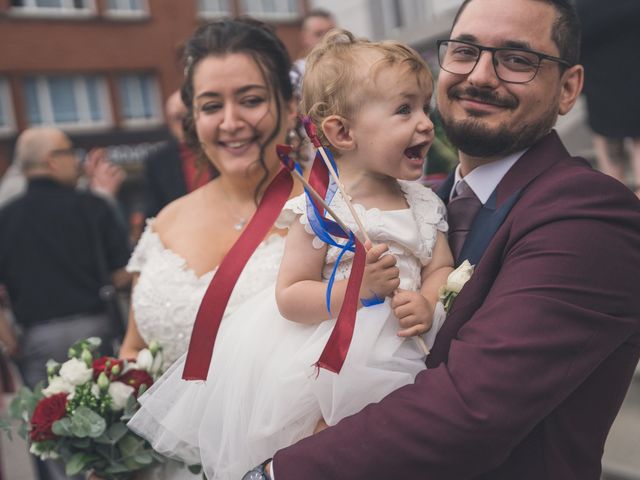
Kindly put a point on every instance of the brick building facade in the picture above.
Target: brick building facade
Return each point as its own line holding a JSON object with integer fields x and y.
{"x": 101, "y": 69}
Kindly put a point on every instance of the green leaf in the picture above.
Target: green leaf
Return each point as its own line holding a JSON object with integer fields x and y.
{"x": 143, "y": 458}
{"x": 195, "y": 469}
{"x": 130, "y": 444}
{"x": 24, "y": 403}
{"x": 62, "y": 427}
{"x": 87, "y": 423}
{"x": 78, "y": 462}
{"x": 130, "y": 409}
{"x": 106, "y": 451}
{"x": 117, "y": 467}
{"x": 5, "y": 426}
{"x": 81, "y": 443}
{"x": 113, "y": 434}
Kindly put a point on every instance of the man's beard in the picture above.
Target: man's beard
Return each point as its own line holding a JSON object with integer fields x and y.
{"x": 476, "y": 139}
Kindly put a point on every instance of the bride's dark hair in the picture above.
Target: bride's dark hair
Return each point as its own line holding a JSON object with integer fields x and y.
{"x": 250, "y": 37}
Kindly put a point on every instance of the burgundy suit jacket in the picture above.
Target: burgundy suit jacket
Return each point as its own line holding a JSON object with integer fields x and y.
{"x": 535, "y": 357}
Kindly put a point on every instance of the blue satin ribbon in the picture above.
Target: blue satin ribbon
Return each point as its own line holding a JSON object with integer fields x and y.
{"x": 326, "y": 229}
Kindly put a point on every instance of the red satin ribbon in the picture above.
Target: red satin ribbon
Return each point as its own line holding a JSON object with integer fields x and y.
{"x": 214, "y": 303}
{"x": 335, "y": 351}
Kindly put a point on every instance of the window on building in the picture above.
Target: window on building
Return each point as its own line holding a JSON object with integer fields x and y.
{"x": 7, "y": 123}
{"x": 278, "y": 9}
{"x": 213, "y": 8}
{"x": 139, "y": 98}
{"x": 400, "y": 14}
{"x": 127, "y": 8}
{"x": 76, "y": 101}
{"x": 53, "y": 7}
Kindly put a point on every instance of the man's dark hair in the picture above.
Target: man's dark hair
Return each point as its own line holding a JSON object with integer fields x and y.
{"x": 319, "y": 12}
{"x": 565, "y": 32}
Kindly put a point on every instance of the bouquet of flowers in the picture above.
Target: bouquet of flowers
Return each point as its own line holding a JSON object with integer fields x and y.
{"x": 80, "y": 417}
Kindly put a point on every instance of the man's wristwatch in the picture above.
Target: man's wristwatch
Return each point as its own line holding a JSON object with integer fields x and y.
{"x": 258, "y": 473}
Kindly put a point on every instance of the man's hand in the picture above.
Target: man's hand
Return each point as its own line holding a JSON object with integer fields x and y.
{"x": 414, "y": 312}
{"x": 104, "y": 176}
{"x": 381, "y": 276}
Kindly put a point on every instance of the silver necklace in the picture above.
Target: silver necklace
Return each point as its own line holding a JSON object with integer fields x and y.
{"x": 241, "y": 221}
{"x": 239, "y": 225}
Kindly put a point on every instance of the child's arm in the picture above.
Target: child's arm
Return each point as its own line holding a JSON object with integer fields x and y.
{"x": 300, "y": 291}
{"x": 415, "y": 309}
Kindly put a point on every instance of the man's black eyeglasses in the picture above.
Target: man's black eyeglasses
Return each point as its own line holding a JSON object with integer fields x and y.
{"x": 512, "y": 65}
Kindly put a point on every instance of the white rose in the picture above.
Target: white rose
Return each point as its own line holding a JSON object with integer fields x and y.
{"x": 145, "y": 360}
{"x": 76, "y": 372}
{"x": 43, "y": 454}
{"x": 119, "y": 393}
{"x": 460, "y": 276}
{"x": 58, "y": 385}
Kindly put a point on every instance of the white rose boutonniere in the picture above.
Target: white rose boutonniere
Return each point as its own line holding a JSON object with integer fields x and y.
{"x": 455, "y": 282}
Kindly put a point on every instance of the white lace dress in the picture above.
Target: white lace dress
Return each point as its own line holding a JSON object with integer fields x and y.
{"x": 168, "y": 293}
{"x": 167, "y": 296}
{"x": 262, "y": 392}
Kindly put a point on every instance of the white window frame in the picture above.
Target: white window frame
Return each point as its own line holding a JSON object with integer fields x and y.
{"x": 157, "y": 119}
{"x": 86, "y": 123}
{"x": 67, "y": 10}
{"x": 205, "y": 13}
{"x": 9, "y": 119}
{"x": 255, "y": 8}
{"x": 122, "y": 12}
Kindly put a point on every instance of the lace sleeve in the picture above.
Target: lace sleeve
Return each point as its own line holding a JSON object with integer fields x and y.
{"x": 430, "y": 214}
{"x": 140, "y": 253}
{"x": 296, "y": 208}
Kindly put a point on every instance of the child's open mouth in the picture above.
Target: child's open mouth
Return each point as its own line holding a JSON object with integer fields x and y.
{"x": 416, "y": 151}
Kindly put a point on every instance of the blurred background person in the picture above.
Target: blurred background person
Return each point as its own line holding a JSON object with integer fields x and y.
{"x": 59, "y": 247}
{"x": 315, "y": 25}
{"x": 171, "y": 170}
{"x": 610, "y": 42}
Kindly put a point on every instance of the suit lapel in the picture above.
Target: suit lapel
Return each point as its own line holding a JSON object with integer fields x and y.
{"x": 538, "y": 159}
{"x": 535, "y": 161}
{"x": 484, "y": 227}
{"x": 444, "y": 191}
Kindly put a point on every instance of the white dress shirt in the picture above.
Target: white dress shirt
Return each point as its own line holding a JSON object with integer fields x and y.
{"x": 484, "y": 179}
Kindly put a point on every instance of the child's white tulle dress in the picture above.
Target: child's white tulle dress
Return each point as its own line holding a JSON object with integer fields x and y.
{"x": 262, "y": 392}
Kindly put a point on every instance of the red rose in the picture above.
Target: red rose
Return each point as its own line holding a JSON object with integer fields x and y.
{"x": 47, "y": 411}
{"x": 136, "y": 378}
{"x": 106, "y": 364}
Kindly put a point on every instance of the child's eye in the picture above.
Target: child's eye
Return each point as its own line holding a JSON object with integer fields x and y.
{"x": 427, "y": 109}
{"x": 404, "y": 110}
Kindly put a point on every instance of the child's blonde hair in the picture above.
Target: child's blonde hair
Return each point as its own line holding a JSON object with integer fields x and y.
{"x": 341, "y": 71}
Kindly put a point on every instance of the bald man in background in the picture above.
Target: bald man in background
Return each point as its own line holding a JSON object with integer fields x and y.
{"x": 56, "y": 248}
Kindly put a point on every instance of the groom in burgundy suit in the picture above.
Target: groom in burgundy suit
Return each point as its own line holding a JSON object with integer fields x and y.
{"x": 538, "y": 350}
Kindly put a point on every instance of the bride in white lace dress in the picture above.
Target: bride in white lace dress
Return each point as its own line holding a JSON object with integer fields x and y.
{"x": 240, "y": 105}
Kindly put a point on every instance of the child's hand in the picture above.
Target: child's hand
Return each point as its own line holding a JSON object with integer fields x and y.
{"x": 381, "y": 276}
{"x": 414, "y": 312}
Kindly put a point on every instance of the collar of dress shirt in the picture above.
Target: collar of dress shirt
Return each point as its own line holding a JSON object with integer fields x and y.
{"x": 484, "y": 179}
